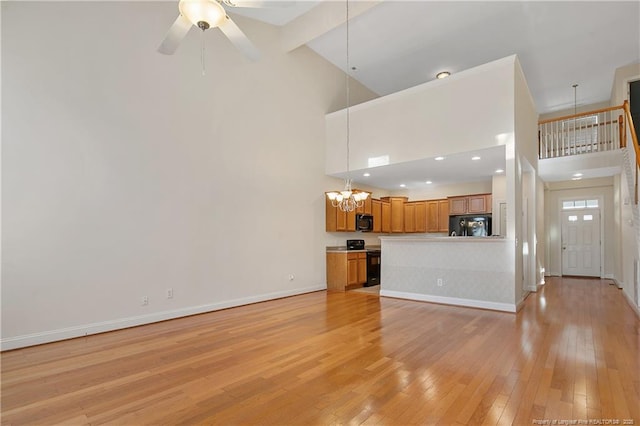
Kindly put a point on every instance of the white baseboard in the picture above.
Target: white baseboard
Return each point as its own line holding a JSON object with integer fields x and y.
{"x": 630, "y": 302}
{"x": 470, "y": 303}
{"x": 120, "y": 323}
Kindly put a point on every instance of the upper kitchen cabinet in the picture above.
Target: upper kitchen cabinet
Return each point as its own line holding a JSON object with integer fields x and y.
{"x": 458, "y": 205}
{"x": 437, "y": 215}
{"x": 470, "y": 204}
{"x": 480, "y": 203}
{"x": 376, "y": 212}
{"x": 381, "y": 211}
{"x": 415, "y": 216}
{"x": 386, "y": 216}
{"x": 397, "y": 213}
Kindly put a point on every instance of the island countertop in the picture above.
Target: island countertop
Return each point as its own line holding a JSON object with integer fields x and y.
{"x": 344, "y": 249}
{"x": 419, "y": 238}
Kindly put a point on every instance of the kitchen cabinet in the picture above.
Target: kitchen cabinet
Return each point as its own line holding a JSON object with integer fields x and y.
{"x": 480, "y": 203}
{"x": 415, "y": 216}
{"x": 443, "y": 216}
{"x": 410, "y": 217}
{"x": 346, "y": 270}
{"x": 376, "y": 212}
{"x": 366, "y": 206}
{"x": 338, "y": 221}
{"x": 458, "y": 205}
{"x": 470, "y": 204}
{"x": 438, "y": 215}
{"x": 421, "y": 216}
{"x": 386, "y": 216}
{"x": 397, "y": 213}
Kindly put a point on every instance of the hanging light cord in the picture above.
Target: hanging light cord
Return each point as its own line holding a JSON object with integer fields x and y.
{"x": 348, "y": 200}
{"x": 202, "y": 51}
{"x": 348, "y": 99}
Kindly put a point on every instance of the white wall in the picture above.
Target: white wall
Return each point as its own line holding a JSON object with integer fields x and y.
{"x": 621, "y": 79}
{"x": 126, "y": 172}
{"x": 423, "y": 121}
{"x": 449, "y": 190}
{"x": 628, "y": 234}
{"x": 526, "y": 152}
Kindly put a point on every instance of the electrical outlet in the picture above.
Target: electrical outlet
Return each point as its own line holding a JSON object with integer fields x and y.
{"x": 145, "y": 300}
{"x": 440, "y": 283}
{"x": 169, "y": 293}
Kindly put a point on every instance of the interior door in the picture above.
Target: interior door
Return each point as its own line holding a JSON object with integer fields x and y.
{"x": 581, "y": 242}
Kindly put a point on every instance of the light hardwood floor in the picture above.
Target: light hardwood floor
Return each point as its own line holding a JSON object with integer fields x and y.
{"x": 572, "y": 353}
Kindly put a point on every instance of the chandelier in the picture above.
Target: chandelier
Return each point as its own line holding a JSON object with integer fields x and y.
{"x": 348, "y": 199}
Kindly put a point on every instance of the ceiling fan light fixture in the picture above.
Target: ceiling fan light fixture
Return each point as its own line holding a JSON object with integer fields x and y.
{"x": 203, "y": 14}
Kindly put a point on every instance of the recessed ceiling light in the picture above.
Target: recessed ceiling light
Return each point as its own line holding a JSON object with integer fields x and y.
{"x": 439, "y": 158}
{"x": 577, "y": 175}
{"x": 428, "y": 182}
{"x": 402, "y": 185}
{"x": 576, "y": 178}
{"x": 475, "y": 158}
{"x": 443, "y": 74}
{"x": 366, "y": 174}
{"x": 499, "y": 171}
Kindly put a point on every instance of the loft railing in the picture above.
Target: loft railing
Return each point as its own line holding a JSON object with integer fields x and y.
{"x": 605, "y": 129}
{"x": 593, "y": 131}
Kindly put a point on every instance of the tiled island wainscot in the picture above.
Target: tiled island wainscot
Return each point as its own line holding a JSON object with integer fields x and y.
{"x": 465, "y": 271}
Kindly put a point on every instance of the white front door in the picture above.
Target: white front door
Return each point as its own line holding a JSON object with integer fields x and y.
{"x": 581, "y": 242}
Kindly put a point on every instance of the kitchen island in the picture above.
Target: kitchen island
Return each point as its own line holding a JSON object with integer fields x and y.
{"x": 464, "y": 271}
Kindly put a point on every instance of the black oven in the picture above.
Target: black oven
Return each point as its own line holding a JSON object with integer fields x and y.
{"x": 373, "y": 268}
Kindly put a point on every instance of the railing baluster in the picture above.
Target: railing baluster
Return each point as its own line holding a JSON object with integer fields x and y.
{"x": 594, "y": 131}
{"x": 623, "y": 132}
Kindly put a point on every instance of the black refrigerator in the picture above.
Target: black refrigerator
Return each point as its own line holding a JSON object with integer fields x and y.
{"x": 470, "y": 226}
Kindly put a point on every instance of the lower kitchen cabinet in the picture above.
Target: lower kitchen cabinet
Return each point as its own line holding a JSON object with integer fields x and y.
{"x": 346, "y": 270}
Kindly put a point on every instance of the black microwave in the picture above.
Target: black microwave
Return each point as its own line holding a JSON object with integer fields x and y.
{"x": 364, "y": 222}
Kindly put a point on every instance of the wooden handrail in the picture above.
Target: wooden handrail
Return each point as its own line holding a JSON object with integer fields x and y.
{"x": 588, "y": 126}
{"x": 632, "y": 130}
{"x": 634, "y": 141}
{"x": 582, "y": 114}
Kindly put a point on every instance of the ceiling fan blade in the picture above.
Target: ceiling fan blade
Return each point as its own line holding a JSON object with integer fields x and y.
{"x": 174, "y": 36}
{"x": 239, "y": 39}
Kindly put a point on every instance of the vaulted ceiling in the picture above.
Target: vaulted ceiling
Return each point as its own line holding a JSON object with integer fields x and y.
{"x": 394, "y": 45}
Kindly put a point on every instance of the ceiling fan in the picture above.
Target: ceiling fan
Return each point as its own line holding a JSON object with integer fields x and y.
{"x": 206, "y": 14}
